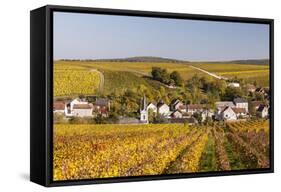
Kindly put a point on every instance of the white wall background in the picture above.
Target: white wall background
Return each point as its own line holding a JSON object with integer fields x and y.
{"x": 14, "y": 95}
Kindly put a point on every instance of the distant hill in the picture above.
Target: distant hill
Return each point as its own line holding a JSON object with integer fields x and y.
{"x": 143, "y": 59}
{"x": 247, "y": 61}
{"x": 152, "y": 59}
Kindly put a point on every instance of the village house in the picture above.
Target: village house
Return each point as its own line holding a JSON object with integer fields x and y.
{"x": 228, "y": 110}
{"x": 241, "y": 103}
{"x": 82, "y": 110}
{"x": 163, "y": 109}
{"x": 223, "y": 104}
{"x": 264, "y": 91}
{"x": 176, "y": 104}
{"x": 240, "y": 112}
{"x": 194, "y": 108}
{"x": 228, "y": 114}
{"x": 102, "y": 106}
{"x": 207, "y": 113}
{"x": 263, "y": 111}
{"x": 59, "y": 107}
{"x": 79, "y": 107}
{"x": 176, "y": 114}
{"x": 256, "y": 104}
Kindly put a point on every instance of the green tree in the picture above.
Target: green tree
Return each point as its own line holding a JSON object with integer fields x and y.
{"x": 232, "y": 93}
{"x": 160, "y": 74}
{"x": 156, "y": 73}
{"x": 176, "y": 77}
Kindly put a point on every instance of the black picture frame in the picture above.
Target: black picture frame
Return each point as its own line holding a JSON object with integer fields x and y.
{"x": 41, "y": 61}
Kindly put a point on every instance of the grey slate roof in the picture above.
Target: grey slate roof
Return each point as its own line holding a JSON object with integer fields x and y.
{"x": 240, "y": 100}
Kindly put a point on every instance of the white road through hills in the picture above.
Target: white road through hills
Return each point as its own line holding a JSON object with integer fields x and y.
{"x": 209, "y": 73}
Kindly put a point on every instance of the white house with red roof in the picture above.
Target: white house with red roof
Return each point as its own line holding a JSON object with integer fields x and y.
{"x": 79, "y": 107}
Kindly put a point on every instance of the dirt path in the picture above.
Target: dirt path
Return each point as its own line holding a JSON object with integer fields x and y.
{"x": 209, "y": 73}
{"x": 101, "y": 85}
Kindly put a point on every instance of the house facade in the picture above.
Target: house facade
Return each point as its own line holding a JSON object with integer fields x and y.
{"x": 102, "y": 106}
{"x": 79, "y": 107}
{"x": 82, "y": 110}
{"x": 228, "y": 114}
{"x": 207, "y": 113}
{"x": 177, "y": 104}
{"x": 241, "y": 103}
{"x": 240, "y": 113}
{"x": 176, "y": 114}
{"x": 194, "y": 108}
{"x": 163, "y": 109}
{"x": 263, "y": 111}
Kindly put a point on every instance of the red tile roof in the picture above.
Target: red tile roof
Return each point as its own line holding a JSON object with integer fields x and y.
{"x": 239, "y": 110}
{"x": 194, "y": 106}
{"x": 82, "y": 106}
{"x": 58, "y": 105}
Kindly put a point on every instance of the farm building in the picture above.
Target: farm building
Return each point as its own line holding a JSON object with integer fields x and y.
{"x": 59, "y": 107}
{"x": 263, "y": 111}
{"x": 79, "y": 107}
{"x": 82, "y": 110}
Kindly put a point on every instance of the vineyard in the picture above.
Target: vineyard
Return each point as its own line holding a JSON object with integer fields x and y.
{"x": 74, "y": 80}
{"x": 103, "y": 151}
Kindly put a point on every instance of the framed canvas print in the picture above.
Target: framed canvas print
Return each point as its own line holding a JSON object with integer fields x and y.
{"x": 120, "y": 95}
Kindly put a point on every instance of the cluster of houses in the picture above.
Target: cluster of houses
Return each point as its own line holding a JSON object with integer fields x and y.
{"x": 175, "y": 112}
{"x": 82, "y": 108}
{"x": 224, "y": 110}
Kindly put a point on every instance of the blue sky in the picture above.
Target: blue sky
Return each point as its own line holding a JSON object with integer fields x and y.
{"x": 92, "y": 36}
